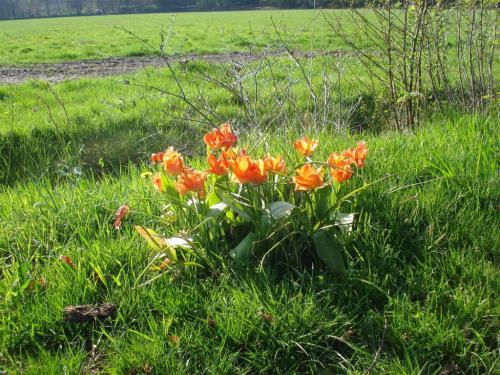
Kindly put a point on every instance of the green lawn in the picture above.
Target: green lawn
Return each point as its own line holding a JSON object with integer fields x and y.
{"x": 78, "y": 38}
{"x": 424, "y": 260}
{"x": 420, "y": 295}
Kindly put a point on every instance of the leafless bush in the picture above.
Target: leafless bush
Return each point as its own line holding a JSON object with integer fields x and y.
{"x": 424, "y": 52}
{"x": 273, "y": 88}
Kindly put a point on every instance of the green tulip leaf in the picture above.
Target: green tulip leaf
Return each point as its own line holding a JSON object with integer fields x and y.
{"x": 235, "y": 206}
{"x": 280, "y": 209}
{"x": 324, "y": 197}
{"x": 344, "y": 221}
{"x": 328, "y": 251}
{"x": 243, "y": 252}
{"x": 159, "y": 243}
{"x": 265, "y": 226}
{"x": 216, "y": 210}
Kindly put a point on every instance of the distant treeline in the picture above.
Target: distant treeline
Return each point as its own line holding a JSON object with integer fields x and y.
{"x": 11, "y": 9}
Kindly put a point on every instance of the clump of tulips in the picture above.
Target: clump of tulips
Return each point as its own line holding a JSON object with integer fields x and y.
{"x": 272, "y": 207}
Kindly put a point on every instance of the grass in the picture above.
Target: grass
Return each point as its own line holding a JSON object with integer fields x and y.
{"x": 83, "y": 122}
{"x": 80, "y": 38}
{"x": 103, "y": 124}
{"x": 423, "y": 261}
{"x": 421, "y": 292}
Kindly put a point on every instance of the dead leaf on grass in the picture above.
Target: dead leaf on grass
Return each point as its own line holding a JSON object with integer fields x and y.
{"x": 266, "y": 316}
{"x": 174, "y": 340}
{"x": 88, "y": 313}
{"x": 120, "y": 214}
{"x": 66, "y": 259}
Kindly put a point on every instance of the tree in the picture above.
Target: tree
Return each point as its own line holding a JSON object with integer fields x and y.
{"x": 47, "y": 8}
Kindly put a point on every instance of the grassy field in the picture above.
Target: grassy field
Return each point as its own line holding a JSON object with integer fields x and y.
{"x": 420, "y": 295}
{"x": 423, "y": 261}
{"x": 78, "y": 38}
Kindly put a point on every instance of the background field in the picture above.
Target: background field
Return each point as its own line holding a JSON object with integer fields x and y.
{"x": 77, "y": 38}
{"x": 421, "y": 296}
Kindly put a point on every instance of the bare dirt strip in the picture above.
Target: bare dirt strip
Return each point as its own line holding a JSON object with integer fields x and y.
{"x": 58, "y": 72}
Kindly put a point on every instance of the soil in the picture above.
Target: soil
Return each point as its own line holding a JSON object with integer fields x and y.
{"x": 58, "y": 72}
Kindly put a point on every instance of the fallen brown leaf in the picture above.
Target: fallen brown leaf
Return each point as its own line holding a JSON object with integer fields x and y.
{"x": 147, "y": 368}
{"x": 165, "y": 264}
{"x": 267, "y": 317}
{"x": 88, "y": 313}
{"x": 348, "y": 334}
{"x": 174, "y": 340}
{"x": 121, "y": 213}
{"x": 66, "y": 259}
{"x": 42, "y": 283}
{"x": 211, "y": 323}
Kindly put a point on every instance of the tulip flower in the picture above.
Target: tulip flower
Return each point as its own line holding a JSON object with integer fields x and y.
{"x": 232, "y": 153}
{"x": 221, "y": 138}
{"x": 191, "y": 180}
{"x": 275, "y": 165}
{"x": 246, "y": 170}
{"x": 308, "y": 178}
{"x": 357, "y": 156}
{"x": 305, "y": 146}
{"x": 158, "y": 183}
{"x": 340, "y": 168}
{"x": 157, "y": 158}
{"x": 173, "y": 163}
{"x": 218, "y": 166}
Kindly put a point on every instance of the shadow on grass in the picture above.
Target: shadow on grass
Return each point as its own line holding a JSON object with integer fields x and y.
{"x": 84, "y": 150}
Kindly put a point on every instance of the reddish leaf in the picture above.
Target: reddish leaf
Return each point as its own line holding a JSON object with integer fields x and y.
{"x": 147, "y": 368}
{"x": 165, "y": 264}
{"x": 120, "y": 214}
{"x": 211, "y": 323}
{"x": 42, "y": 282}
{"x": 267, "y": 317}
{"x": 66, "y": 259}
{"x": 31, "y": 285}
{"x": 174, "y": 340}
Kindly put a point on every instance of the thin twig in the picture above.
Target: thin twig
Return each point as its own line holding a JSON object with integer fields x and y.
{"x": 379, "y": 350}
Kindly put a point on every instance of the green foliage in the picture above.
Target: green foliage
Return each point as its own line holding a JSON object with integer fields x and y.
{"x": 328, "y": 251}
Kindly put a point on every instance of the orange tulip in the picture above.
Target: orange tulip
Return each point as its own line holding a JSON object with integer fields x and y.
{"x": 308, "y": 178}
{"x": 191, "y": 180}
{"x": 246, "y": 170}
{"x": 157, "y": 158}
{"x": 340, "y": 168}
{"x": 305, "y": 146}
{"x": 173, "y": 163}
{"x": 232, "y": 153}
{"x": 275, "y": 165}
{"x": 158, "y": 183}
{"x": 221, "y": 138}
{"x": 218, "y": 166}
{"x": 357, "y": 156}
